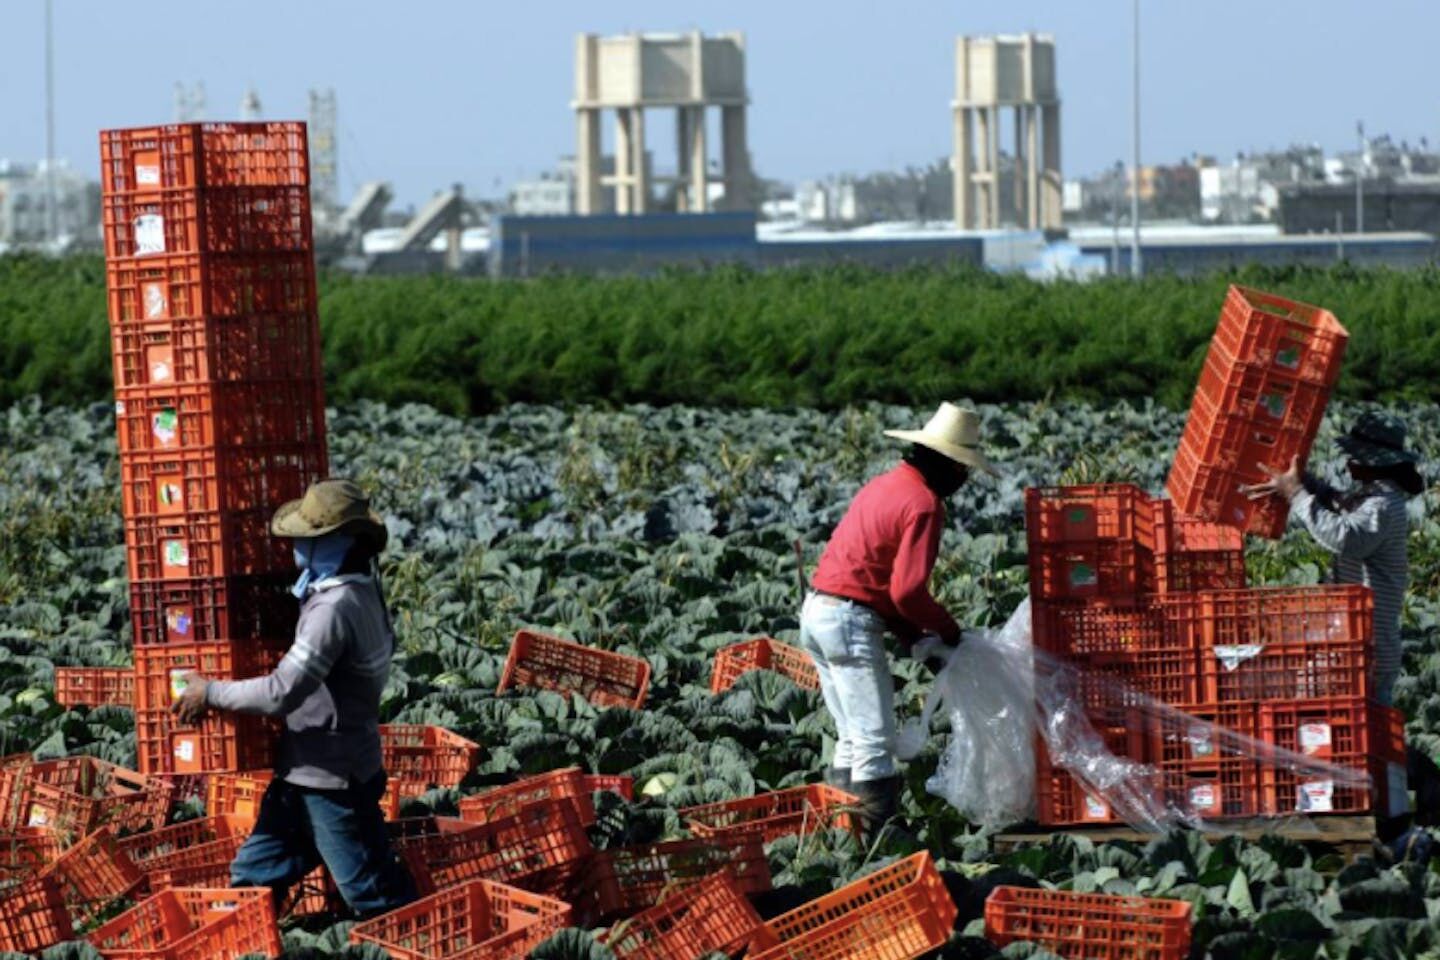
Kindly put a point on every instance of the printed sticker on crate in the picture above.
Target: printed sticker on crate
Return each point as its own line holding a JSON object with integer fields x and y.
{"x": 1202, "y": 744}
{"x": 1316, "y": 739}
{"x": 147, "y": 168}
{"x": 175, "y": 558}
{"x": 178, "y": 683}
{"x": 187, "y": 752}
{"x": 166, "y": 427}
{"x": 169, "y": 495}
{"x": 1096, "y": 809}
{"x": 149, "y": 234}
{"x": 154, "y": 301}
{"x": 160, "y": 361}
{"x": 39, "y": 816}
{"x": 1204, "y": 797}
{"x": 1316, "y": 796}
{"x": 179, "y": 623}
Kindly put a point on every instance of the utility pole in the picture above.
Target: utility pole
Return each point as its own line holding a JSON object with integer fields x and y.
{"x": 1360, "y": 179}
{"x": 1136, "y": 268}
{"x": 50, "y": 202}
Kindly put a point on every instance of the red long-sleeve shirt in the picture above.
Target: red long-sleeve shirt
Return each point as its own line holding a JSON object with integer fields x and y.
{"x": 883, "y": 550}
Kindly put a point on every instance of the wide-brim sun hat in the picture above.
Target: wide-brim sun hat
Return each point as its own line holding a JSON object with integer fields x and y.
{"x": 1377, "y": 439}
{"x": 952, "y": 432}
{"x": 331, "y": 506}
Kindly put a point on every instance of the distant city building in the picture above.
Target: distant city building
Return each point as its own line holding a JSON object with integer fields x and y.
{"x": 25, "y": 207}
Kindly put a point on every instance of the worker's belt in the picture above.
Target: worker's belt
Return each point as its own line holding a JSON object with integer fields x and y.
{"x": 836, "y": 596}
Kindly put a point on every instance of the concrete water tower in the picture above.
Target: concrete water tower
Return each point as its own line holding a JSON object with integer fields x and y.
{"x": 993, "y": 74}
{"x": 687, "y": 73}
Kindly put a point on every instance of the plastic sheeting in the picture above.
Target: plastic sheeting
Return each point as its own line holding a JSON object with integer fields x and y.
{"x": 998, "y": 694}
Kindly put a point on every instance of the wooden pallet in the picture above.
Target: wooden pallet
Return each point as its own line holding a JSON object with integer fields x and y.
{"x": 1351, "y": 835}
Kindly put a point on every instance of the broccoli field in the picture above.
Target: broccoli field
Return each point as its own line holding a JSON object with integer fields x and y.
{"x": 668, "y": 533}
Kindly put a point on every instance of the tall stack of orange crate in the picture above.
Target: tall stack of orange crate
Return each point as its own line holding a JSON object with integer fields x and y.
{"x": 219, "y": 407}
{"x": 1150, "y": 604}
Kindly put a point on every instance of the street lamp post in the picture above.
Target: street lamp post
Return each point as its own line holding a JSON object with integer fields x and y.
{"x": 53, "y": 215}
{"x": 1360, "y": 178}
{"x": 1136, "y": 269}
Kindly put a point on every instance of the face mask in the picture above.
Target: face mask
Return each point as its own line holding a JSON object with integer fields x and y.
{"x": 319, "y": 558}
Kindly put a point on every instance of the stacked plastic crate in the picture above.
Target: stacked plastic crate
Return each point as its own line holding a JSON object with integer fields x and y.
{"x": 219, "y": 406}
{"x": 1180, "y": 667}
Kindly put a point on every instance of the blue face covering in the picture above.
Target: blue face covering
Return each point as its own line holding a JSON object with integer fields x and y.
{"x": 319, "y": 558}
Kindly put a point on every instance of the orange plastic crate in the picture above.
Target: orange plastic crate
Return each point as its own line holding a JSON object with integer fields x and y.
{"x": 1193, "y": 554}
{"x": 426, "y": 756}
{"x": 1087, "y": 513}
{"x": 479, "y": 920}
{"x": 77, "y": 795}
{"x": 540, "y": 848}
{"x": 570, "y": 783}
{"x": 1284, "y": 335}
{"x": 236, "y": 795}
{"x": 762, "y": 653}
{"x": 93, "y": 874}
{"x": 154, "y": 845}
{"x": 1118, "y": 647}
{"x": 94, "y": 686}
{"x": 1277, "y": 643}
{"x": 173, "y": 287}
{"x": 249, "y": 220}
{"x": 190, "y": 923}
{"x": 1089, "y": 926}
{"x": 219, "y": 741}
{"x": 203, "y": 865}
{"x": 202, "y": 544}
{"x": 235, "y": 609}
{"x": 780, "y": 813}
{"x": 606, "y": 679}
{"x": 26, "y": 851}
{"x": 253, "y": 349}
{"x": 900, "y": 911}
{"x": 1346, "y": 732}
{"x": 712, "y": 916}
{"x": 197, "y": 417}
{"x": 260, "y": 153}
{"x": 177, "y": 488}
{"x": 33, "y": 916}
{"x": 1061, "y": 800}
{"x": 625, "y": 880}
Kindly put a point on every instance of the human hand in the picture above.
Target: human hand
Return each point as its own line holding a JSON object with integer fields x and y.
{"x": 190, "y": 704}
{"x": 1285, "y": 484}
{"x": 931, "y": 647}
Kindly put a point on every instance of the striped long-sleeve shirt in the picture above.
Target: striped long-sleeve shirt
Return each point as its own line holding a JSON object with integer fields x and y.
{"x": 1367, "y": 532}
{"x": 327, "y": 687}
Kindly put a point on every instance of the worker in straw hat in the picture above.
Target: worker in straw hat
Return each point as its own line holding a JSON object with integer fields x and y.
{"x": 324, "y": 803}
{"x": 873, "y": 579}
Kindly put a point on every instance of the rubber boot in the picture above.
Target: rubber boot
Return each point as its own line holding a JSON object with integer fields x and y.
{"x": 879, "y": 802}
{"x": 837, "y": 777}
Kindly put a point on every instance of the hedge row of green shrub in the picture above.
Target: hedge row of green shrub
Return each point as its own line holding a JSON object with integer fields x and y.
{"x": 817, "y": 337}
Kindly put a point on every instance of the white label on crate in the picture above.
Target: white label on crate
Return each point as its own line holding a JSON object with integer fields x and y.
{"x": 185, "y": 751}
{"x": 1317, "y": 796}
{"x": 1314, "y": 738}
{"x": 152, "y": 296}
{"x": 39, "y": 816}
{"x": 147, "y": 174}
{"x": 1203, "y": 797}
{"x": 120, "y": 407}
{"x": 1397, "y": 789}
{"x": 1096, "y": 809}
{"x": 1231, "y": 656}
{"x": 160, "y": 372}
{"x": 178, "y": 683}
{"x": 149, "y": 234}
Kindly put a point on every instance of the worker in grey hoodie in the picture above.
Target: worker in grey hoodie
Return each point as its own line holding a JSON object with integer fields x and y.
{"x": 324, "y": 803}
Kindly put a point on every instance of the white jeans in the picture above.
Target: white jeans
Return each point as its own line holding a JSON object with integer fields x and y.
{"x": 846, "y": 640}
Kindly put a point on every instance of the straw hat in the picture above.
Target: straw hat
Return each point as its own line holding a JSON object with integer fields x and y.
{"x": 953, "y": 432}
{"x": 327, "y": 507}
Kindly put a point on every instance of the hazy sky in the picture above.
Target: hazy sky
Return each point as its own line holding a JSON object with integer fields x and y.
{"x": 432, "y": 93}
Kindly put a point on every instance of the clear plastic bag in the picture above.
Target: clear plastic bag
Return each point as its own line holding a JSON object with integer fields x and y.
{"x": 998, "y": 693}
{"x": 987, "y": 770}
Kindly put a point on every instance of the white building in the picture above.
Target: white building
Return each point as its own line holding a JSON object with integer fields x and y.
{"x": 1230, "y": 193}
{"x": 25, "y": 206}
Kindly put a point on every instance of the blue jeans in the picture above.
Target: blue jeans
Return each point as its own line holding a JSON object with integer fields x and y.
{"x": 299, "y": 827}
{"x": 847, "y": 642}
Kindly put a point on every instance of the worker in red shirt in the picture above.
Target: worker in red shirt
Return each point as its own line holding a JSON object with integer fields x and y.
{"x": 873, "y": 578}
